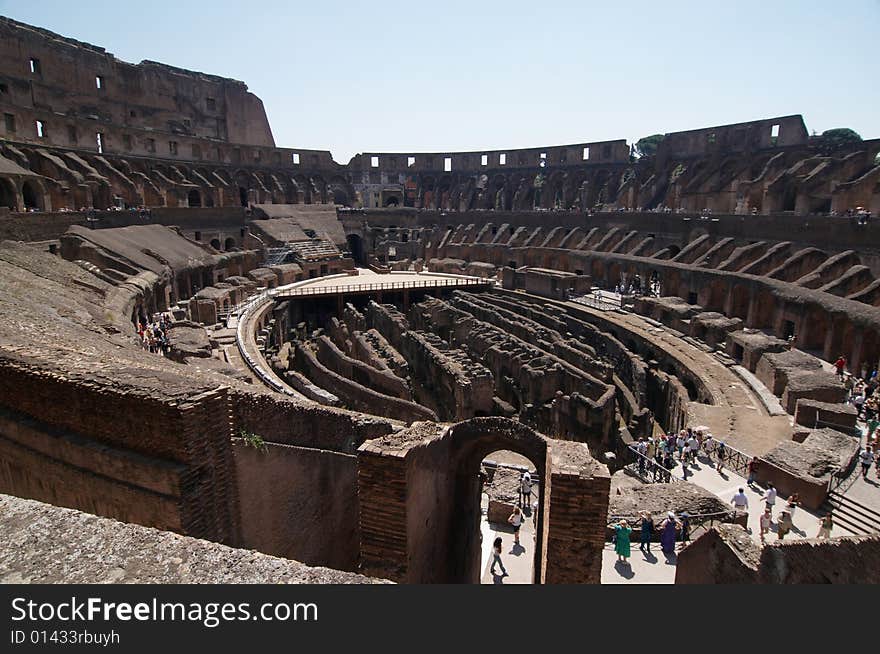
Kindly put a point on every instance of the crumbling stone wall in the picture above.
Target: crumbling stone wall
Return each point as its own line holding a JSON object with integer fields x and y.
{"x": 176, "y": 450}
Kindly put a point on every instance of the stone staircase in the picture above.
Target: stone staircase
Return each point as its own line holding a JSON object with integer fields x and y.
{"x": 851, "y": 514}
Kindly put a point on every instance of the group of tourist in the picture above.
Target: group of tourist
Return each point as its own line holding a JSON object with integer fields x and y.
{"x": 785, "y": 521}
{"x": 862, "y": 393}
{"x": 658, "y": 456}
{"x": 154, "y": 335}
{"x": 670, "y": 528}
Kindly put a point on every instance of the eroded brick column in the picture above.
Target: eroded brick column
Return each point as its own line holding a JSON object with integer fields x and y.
{"x": 382, "y": 498}
{"x": 577, "y": 517}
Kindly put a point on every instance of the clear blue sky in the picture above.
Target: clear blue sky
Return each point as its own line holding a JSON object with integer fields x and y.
{"x": 467, "y": 75}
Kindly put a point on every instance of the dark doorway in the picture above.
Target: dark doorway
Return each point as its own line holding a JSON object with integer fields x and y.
{"x": 356, "y": 247}
{"x": 194, "y": 198}
{"x": 229, "y": 244}
{"x": 243, "y": 196}
{"x": 31, "y": 196}
{"x": 7, "y": 195}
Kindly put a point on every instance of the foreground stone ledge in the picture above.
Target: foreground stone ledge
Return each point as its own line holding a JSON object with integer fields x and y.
{"x": 46, "y": 544}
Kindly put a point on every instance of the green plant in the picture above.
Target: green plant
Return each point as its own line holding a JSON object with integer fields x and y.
{"x": 252, "y": 440}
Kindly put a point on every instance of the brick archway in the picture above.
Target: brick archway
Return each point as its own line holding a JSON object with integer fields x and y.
{"x": 419, "y": 489}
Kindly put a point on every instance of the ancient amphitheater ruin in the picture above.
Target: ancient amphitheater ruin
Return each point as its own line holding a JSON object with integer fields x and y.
{"x": 215, "y": 347}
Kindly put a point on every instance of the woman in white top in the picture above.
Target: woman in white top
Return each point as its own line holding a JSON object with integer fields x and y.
{"x": 516, "y": 519}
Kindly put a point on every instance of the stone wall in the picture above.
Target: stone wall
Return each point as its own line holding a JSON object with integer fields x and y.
{"x": 37, "y": 548}
{"x": 355, "y": 395}
{"x": 299, "y": 503}
{"x": 115, "y": 451}
{"x": 727, "y": 555}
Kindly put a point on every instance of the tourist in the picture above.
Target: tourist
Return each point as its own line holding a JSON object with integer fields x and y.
{"x": 722, "y": 452}
{"x": 525, "y": 489}
{"x": 669, "y": 464}
{"x": 685, "y": 522}
{"x": 647, "y": 530}
{"x": 791, "y": 506}
{"x": 840, "y": 365}
{"x": 770, "y": 497}
{"x": 693, "y": 446}
{"x": 621, "y": 541}
{"x": 496, "y": 557}
{"x": 641, "y": 449}
{"x": 866, "y": 458}
{"x": 709, "y": 446}
{"x": 740, "y": 502}
{"x": 658, "y": 465}
{"x": 765, "y": 522}
{"x": 783, "y": 525}
{"x": 680, "y": 443}
{"x": 667, "y": 533}
{"x": 753, "y": 470}
{"x": 826, "y": 526}
{"x": 516, "y": 520}
{"x": 872, "y": 424}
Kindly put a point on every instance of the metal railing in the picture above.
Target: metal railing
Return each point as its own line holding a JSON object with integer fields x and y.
{"x": 600, "y": 301}
{"x": 649, "y": 470}
{"x": 733, "y": 458}
{"x": 382, "y": 286}
{"x": 697, "y": 522}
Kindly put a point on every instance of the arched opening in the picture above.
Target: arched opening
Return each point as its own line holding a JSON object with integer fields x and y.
{"x": 215, "y": 243}
{"x": 7, "y": 194}
{"x": 472, "y": 443}
{"x": 229, "y": 244}
{"x": 509, "y": 501}
{"x": 356, "y": 247}
{"x": 243, "y": 196}
{"x": 194, "y": 198}
{"x": 31, "y": 196}
{"x": 392, "y": 201}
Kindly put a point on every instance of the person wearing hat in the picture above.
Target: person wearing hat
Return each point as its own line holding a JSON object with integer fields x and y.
{"x": 667, "y": 533}
{"x": 621, "y": 541}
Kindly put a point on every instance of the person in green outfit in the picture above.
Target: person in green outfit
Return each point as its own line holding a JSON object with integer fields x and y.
{"x": 622, "y": 532}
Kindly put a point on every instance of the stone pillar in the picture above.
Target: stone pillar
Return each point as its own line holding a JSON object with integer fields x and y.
{"x": 576, "y": 520}
{"x": 382, "y": 522}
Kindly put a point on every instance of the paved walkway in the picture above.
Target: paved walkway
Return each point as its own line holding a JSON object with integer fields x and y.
{"x": 518, "y": 560}
{"x": 642, "y": 568}
{"x": 725, "y": 485}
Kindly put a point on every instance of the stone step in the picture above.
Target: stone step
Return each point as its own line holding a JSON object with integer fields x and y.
{"x": 852, "y": 514}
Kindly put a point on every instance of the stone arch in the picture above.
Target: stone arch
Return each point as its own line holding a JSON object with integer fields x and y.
{"x": 32, "y": 195}
{"x": 340, "y": 191}
{"x": 444, "y": 192}
{"x": 8, "y": 196}
{"x": 434, "y": 518}
{"x": 215, "y": 243}
{"x": 427, "y": 192}
{"x": 496, "y": 194}
{"x": 553, "y": 193}
{"x": 229, "y": 244}
{"x": 470, "y": 442}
